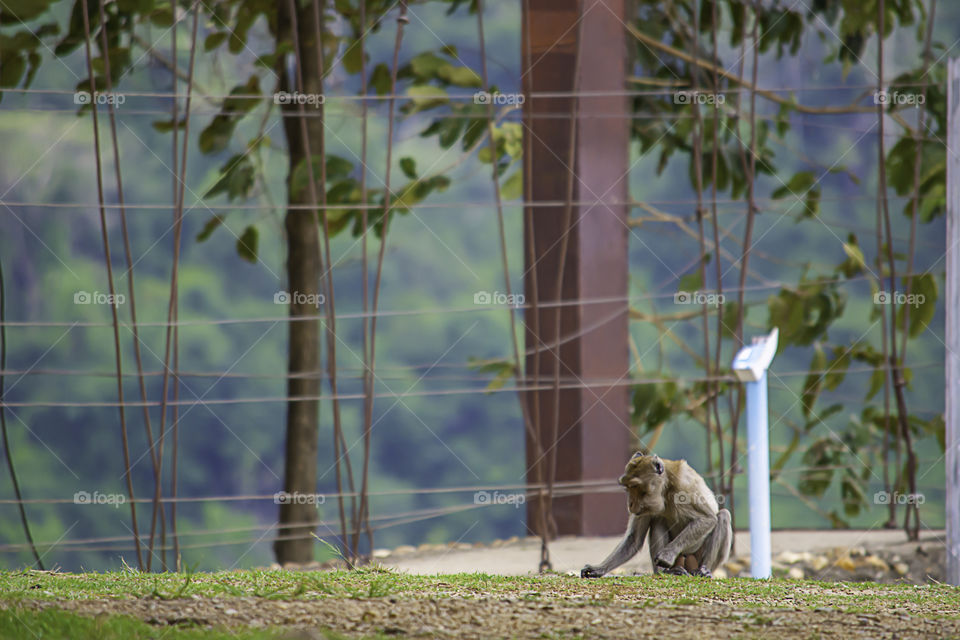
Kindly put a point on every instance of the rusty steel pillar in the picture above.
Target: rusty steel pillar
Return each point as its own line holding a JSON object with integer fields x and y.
{"x": 592, "y": 437}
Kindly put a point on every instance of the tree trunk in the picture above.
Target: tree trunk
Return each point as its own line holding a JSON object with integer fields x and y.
{"x": 297, "y": 517}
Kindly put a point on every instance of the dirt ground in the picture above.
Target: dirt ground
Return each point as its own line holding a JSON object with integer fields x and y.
{"x": 516, "y": 617}
{"x": 604, "y": 609}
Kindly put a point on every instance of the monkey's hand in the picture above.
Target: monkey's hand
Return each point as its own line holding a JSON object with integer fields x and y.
{"x": 591, "y": 571}
{"x": 666, "y": 558}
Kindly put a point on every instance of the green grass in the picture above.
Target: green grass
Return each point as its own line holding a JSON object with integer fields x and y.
{"x": 18, "y": 588}
{"x": 378, "y": 583}
{"x": 51, "y": 623}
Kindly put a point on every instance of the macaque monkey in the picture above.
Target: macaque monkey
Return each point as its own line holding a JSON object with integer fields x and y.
{"x": 671, "y": 504}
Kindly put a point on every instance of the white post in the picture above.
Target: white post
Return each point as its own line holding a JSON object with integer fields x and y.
{"x": 751, "y": 366}
{"x": 951, "y": 304}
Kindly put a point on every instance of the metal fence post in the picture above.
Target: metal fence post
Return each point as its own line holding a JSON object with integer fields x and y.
{"x": 751, "y": 365}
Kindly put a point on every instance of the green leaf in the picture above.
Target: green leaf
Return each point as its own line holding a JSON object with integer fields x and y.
{"x": 802, "y": 185}
{"x": 814, "y": 380}
{"x": 513, "y": 186}
{"x": 426, "y": 97}
{"x": 214, "y": 40}
{"x": 380, "y": 79}
{"x": 210, "y": 227}
{"x": 162, "y": 17}
{"x": 166, "y": 126}
{"x": 11, "y": 70}
{"x": 837, "y": 369}
{"x": 459, "y": 76}
{"x": 409, "y": 167}
{"x": 690, "y": 282}
{"x": 427, "y": 65}
{"x": 475, "y": 128}
{"x": 503, "y": 370}
{"x": 24, "y": 10}
{"x": 216, "y": 136}
{"x": 783, "y": 119}
{"x": 337, "y": 169}
{"x": 237, "y": 177}
{"x": 731, "y": 313}
{"x": 922, "y": 300}
{"x": 247, "y": 244}
{"x": 855, "y": 263}
{"x": 351, "y": 59}
{"x": 876, "y": 382}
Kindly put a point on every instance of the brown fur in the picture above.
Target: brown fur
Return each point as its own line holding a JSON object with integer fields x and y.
{"x": 671, "y": 505}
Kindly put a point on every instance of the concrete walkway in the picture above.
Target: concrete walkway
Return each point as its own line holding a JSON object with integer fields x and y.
{"x": 570, "y": 554}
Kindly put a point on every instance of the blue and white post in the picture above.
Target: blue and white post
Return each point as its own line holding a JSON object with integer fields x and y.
{"x": 750, "y": 366}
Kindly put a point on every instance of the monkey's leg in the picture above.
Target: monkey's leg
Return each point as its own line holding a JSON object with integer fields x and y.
{"x": 658, "y": 538}
{"x": 628, "y": 547}
{"x": 687, "y": 541}
{"x": 716, "y": 548}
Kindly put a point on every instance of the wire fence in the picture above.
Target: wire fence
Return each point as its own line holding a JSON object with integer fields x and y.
{"x": 693, "y": 210}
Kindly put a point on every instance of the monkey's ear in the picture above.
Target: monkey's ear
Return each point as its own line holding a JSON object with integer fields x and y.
{"x": 658, "y": 466}
{"x": 638, "y": 454}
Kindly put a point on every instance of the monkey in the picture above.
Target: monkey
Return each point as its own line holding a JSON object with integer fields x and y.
{"x": 670, "y": 504}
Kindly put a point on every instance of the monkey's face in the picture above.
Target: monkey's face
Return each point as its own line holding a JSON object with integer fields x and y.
{"x": 645, "y": 481}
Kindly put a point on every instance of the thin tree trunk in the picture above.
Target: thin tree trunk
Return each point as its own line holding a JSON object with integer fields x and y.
{"x": 295, "y": 543}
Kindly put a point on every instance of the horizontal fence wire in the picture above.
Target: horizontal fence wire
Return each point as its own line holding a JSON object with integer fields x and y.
{"x": 590, "y": 384}
{"x": 470, "y": 96}
{"x": 561, "y": 489}
{"x": 737, "y": 207}
{"x": 474, "y": 308}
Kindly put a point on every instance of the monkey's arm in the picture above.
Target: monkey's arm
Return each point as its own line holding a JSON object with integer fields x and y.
{"x": 628, "y": 547}
{"x": 689, "y": 540}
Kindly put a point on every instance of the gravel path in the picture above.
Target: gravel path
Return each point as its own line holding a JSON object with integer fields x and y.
{"x": 521, "y": 557}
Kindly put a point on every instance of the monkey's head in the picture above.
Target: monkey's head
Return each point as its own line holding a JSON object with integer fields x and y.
{"x": 645, "y": 479}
